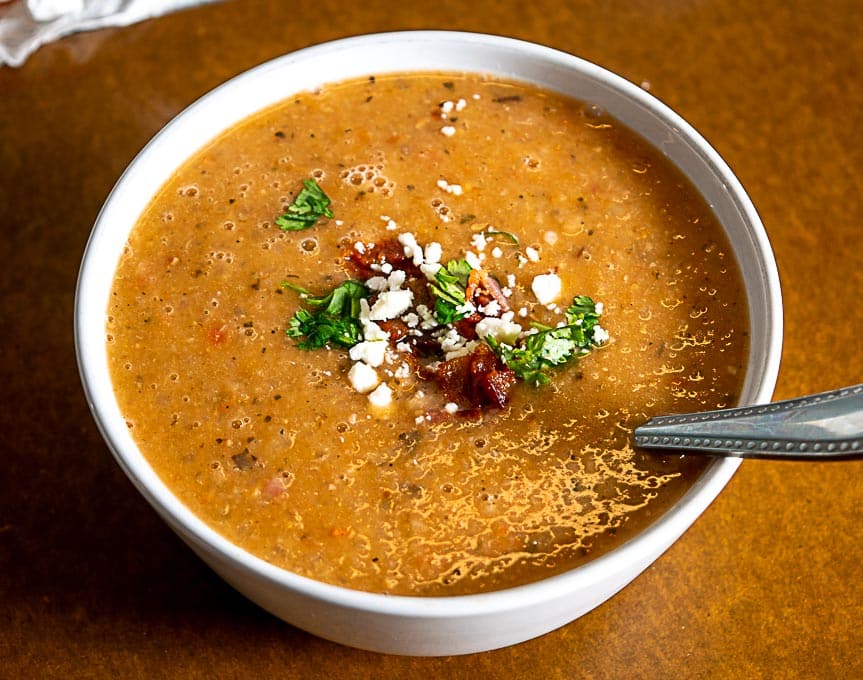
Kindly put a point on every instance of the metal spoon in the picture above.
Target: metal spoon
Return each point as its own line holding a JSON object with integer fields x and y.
{"x": 821, "y": 426}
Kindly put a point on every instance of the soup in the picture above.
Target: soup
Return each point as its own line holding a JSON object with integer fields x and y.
{"x": 395, "y": 334}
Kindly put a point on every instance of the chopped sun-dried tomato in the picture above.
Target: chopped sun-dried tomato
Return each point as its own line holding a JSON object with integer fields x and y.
{"x": 466, "y": 327}
{"x": 479, "y": 377}
{"x": 452, "y": 375}
{"x": 388, "y": 250}
{"x": 495, "y": 386}
{"x": 396, "y": 328}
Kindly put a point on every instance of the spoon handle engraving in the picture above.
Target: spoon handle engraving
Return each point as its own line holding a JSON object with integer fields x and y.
{"x": 821, "y": 426}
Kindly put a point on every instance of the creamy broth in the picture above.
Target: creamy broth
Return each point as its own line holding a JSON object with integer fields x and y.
{"x": 276, "y": 449}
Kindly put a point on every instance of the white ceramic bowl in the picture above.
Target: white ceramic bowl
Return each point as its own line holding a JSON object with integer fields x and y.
{"x": 397, "y": 624}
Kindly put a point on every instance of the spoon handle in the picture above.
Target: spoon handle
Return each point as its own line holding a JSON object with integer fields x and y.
{"x": 821, "y": 426}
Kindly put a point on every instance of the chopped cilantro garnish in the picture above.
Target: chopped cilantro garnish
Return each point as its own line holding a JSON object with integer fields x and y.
{"x": 446, "y": 312}
{"x": 335, "y": 321}
{"x": 505, "y": 234}
{"x": 450, "y": 281}
{"x": 539, "y": 352}
{"x": 308, "y": 207}
{"x": 448, "y": 287}
{"x": 583, "y": 309}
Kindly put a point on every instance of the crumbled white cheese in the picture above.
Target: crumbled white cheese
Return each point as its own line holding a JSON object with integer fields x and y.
{"x": 502, "y": 330}
{"x": 550, "y": 237}
{"x": 371, "y": 331}
{"x": 491, "y": 309}
{"x": 391, "y": 304}
{"x": 363, "y": 378}
{"x": 546, "y": 287}
{"x": 359, "y": 247}
{"x": 374, "y": 333}
{"x": 600, "y": 335}
{"x": 433, "y": 252}
{"x": 396, "y": 279}
{"x": 403, "y": 371}
{"x": 411, "y": 248}
{"x": 478, "y": 242}
{"x": 454, "y": 189}
{"x": 496, "y": 252}
{"x": 451, "y": 340}
{"x": 370, "y": 351}
{"x": 391, "y": 223}
{"x": 467, "y": 308}
{"x": 430, "y": 270}
{"x": 532, "y": 254}
{"x": 600, "y": 308}
{"x": 427, "y": 316}
{"x": 448, "y": 130}
{"x": 462, "y": 351}
{"x": 432, "y": 255}
{"x": 386, "y": 267}
{"x": 460, "y": 104}
{"x": 381, "y": 396}
{"x": 411, "y": 320}
{"x": 376, "y": 283}
{"x": 450, "y": 407}
{"x": 472, "y": 259}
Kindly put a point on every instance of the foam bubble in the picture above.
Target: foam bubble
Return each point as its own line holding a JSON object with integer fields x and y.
{"x": 369, "y": 177}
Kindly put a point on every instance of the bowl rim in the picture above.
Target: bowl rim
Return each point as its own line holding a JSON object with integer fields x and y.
{"x": 673, "y": 522}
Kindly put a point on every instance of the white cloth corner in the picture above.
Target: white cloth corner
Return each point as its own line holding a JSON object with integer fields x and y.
{"x": 26, "y": 25}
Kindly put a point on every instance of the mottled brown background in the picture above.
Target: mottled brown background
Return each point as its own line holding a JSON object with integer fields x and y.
{"x": 768, "y": 581}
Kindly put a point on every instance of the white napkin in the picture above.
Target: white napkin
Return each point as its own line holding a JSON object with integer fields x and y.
{"x": 25, "y": 25}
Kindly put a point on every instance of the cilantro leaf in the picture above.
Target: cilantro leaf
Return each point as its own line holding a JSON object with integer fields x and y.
{"x": 583, "y": 308}
{"x": 446, "y": 312}
{"x": 512, "y": 238}
{"x": 549, "y": 347}
{"x": 308, "y": 207}
{"x": 343, "y": 300}
{"x": 335, "y": 321}
{"x": 449, "y": 289}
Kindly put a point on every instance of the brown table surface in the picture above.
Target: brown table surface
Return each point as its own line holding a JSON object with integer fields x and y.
{"x": 767, "y": 583}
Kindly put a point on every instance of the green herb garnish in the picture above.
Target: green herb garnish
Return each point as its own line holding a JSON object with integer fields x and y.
{"x": 446, "y": 312}
{"x": 336, "y": 319}
{"x": 448, "y": 287}
{"x": 505, "y": 234}
{"x": 451, "y": 281}
{"x": 550, "y": 347}
{"x": 308, "y": 207}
